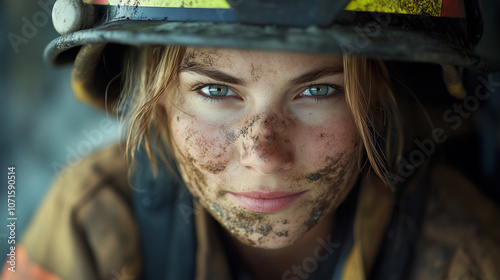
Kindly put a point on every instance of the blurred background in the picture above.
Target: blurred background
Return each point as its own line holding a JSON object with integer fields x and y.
{"x": 45, "y": 128}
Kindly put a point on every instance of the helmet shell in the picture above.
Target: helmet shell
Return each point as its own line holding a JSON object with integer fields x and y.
{"x": 436, "y": 31}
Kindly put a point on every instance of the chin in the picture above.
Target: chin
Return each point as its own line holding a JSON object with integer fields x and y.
{"x": 261, "y": 230}
{"x": 269, "y": 242}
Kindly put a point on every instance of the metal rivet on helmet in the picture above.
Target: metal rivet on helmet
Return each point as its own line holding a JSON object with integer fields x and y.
{"x": 72, "y": 15}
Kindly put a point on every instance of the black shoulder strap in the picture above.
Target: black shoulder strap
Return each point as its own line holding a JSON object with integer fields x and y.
{"x": 163, "y": 208}
{"x": 398, "y": 246}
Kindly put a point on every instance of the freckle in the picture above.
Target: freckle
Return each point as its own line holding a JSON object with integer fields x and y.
{"x": 255, "y": 76}
{"x": 287, "y": 141}
{"x": 178, "y": 119}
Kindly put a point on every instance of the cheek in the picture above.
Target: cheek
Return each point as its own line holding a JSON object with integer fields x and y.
{"x": 330, "y": 152}
{"x": 325, "y": 162}
{"x": 201, "y": 149}
{"x": 319, "y": 144}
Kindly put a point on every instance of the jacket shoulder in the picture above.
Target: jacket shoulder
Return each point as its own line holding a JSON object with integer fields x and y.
{"x": 460, "y": 236}
{"x": 106, "y": 167}
{"x": 85, "y": 228}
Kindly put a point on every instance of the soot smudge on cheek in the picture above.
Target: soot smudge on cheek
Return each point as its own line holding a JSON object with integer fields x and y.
{"x": 188, "y": 154}
{"x": 324, "y": 175}
{"x": 194, "y": 176}
{"x": 214, "y": 168}
{"x": 205, "y": 148}
{"x": 334, "y": 178}
{"x": 316, "y": 214}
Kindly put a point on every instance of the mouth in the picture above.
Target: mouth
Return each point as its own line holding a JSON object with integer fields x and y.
{"x": 267, "y": 202}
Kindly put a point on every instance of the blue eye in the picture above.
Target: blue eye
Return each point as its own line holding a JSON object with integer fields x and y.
{"x": 216, "y": 90}
{"x": 318, "y": 90}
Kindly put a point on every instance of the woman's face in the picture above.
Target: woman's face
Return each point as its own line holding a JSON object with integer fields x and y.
{"x": 264, "y": 140}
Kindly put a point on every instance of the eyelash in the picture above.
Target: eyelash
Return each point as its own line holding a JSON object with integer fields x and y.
{"x": 338, "y": 90}
{"x": 198, "y": 85}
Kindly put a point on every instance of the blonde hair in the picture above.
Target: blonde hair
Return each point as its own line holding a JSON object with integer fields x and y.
{"x": 152, "y": 71}
{"x": 375, "y": 112}
{"x": 148, "y": 74}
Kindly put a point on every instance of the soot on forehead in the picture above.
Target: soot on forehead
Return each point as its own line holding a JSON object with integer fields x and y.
{"x": 188, "y": 60}
{"x": 203, "y": 57}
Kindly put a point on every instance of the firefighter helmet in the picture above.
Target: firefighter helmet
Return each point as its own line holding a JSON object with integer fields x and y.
{"x": 436, "y": 31}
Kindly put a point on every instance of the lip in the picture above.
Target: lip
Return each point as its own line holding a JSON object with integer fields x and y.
{"x": 267, "y": 202}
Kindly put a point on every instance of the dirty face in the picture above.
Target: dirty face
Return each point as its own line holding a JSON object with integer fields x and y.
{"x": 264, "y": 140}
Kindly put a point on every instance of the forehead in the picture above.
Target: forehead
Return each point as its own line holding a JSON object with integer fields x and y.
{"x": 257, "y": 60}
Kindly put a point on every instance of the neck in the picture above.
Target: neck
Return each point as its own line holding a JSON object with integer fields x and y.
{"x": 274, "y": 263}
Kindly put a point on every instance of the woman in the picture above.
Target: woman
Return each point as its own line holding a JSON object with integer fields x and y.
{"x": 289, "y": 157}
{"x": 264, "y": 141}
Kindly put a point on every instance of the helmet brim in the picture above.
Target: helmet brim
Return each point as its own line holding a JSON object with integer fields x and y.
{"x": 386, "y": 44}
{"x": 85, "y": 48}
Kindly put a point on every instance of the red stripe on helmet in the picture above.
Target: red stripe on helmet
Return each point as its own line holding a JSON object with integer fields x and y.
{"x": 453, "y": 8}
{"x": 103, "y": 2}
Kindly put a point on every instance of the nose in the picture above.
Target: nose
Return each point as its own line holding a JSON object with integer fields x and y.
{"x": 266, "y": 147}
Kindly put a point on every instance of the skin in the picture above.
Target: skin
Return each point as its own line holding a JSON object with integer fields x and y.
{"x": 265, "y": 136}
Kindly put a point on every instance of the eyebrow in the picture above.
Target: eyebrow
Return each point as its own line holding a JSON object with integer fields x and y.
{"x": 213, "y": 74}
{"x": 317, "y": 74}
{"x": 226, "y": 78}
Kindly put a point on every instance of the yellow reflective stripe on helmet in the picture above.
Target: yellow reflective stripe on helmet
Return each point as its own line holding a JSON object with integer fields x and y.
{"x": 203, "y": 4}
{"x": 409, "y": 7}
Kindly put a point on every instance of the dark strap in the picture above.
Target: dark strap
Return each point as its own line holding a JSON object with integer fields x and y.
{"x": 344, "y": 231}
{"x": 398, "y": 246}
{"x": 163, "y": 209}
